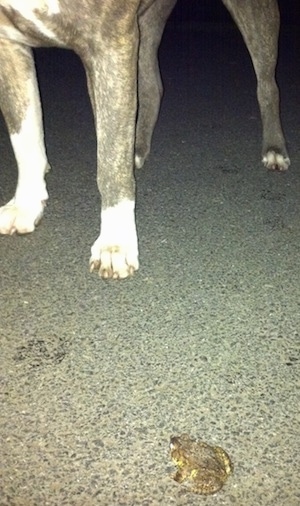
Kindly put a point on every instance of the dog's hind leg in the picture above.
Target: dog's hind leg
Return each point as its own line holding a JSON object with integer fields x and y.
{"x": 151, "y": 25}
{"x": 258, "y": 21}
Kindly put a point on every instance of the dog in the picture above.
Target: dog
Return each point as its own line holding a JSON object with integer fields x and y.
{"x": 117, "y": 41}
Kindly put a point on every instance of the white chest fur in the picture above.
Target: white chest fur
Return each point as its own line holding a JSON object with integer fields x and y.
{"x": 27, "y": 7}
{"x": 35, "y": 13}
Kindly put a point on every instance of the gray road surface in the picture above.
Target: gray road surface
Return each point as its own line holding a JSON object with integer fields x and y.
{"x": 96, "y": 376}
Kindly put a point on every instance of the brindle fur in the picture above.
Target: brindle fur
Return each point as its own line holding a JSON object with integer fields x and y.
{"x": 117, "y": 41}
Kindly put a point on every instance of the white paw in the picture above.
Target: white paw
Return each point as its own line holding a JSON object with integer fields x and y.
{"x": 115, "y": 253}
{"x": 116, "y": 262}
{"x": 21, "y": 219}
{"x": 276, "y": 161}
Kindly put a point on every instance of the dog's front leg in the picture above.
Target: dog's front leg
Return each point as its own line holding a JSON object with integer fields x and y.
{"x": 112, "y": 80}
{"x": 20, "y": 105}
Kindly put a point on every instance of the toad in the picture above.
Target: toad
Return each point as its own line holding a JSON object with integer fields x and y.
{"x": 205, "y": 468}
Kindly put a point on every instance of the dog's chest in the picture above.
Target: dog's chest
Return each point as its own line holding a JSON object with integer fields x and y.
{"x": 32, "y": 22}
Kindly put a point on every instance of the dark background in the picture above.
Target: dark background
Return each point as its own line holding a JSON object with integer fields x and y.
{"x": 214, "y": 10}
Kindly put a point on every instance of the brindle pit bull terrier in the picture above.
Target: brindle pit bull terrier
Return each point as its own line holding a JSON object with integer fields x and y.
{"x": 111, "y": 36}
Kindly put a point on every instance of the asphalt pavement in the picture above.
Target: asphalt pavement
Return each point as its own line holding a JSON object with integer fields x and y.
{"x": 96, "y": 376}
